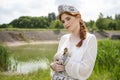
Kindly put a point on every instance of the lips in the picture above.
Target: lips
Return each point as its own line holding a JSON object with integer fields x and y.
{"x": 67, "y": 27}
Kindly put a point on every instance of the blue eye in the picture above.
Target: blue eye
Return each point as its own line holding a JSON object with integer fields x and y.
{"x": 68, "y": 18}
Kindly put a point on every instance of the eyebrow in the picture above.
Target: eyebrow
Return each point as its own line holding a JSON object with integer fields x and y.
{"x": 65, "y": 18}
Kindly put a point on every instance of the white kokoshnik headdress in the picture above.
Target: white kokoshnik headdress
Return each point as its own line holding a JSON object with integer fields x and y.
{"x": 67, "y": 8}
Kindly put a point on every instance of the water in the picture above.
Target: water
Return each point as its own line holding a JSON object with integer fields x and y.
{"x": 28, "y": 67}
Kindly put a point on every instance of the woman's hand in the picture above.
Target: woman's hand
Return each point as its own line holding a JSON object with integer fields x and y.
{"x": 56, "y": 66}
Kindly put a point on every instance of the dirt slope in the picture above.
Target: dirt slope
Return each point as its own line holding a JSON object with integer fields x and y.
{"x": 12, "y": 36}
{"x": 27, "y": 36}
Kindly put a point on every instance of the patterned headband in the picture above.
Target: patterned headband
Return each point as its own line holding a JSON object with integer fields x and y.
{"x": 67, "y": 8}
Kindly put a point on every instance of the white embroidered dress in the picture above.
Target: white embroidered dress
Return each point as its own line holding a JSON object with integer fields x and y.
{"x": 82, "y": 59}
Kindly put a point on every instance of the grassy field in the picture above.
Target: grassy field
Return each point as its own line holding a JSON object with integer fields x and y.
{"x": 28, "y": 53}
{"x": 106, "y": 68}
{"x": 25, "y": 29}
{"x": 34, "y": 52}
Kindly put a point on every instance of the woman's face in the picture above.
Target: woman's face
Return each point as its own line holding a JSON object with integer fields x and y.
{"x": 71, "y": 23}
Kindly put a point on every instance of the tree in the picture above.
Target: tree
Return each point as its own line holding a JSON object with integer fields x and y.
{"x": 101, "y": 15}
{"x": 4, "y": 26}
{"x": 101, "y": 23}
{"x": 30, "y": 22}
{"x": 22, "y": 22}
{"x": 56, "y": 24}
{"x": 117, "y": 19}
{"x": 51, "y": 17}
{"x": 91, "y": 25}
{"x": 112, "y": 26}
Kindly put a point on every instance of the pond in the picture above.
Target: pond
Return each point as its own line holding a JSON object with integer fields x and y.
{"x": 27, "y": 67}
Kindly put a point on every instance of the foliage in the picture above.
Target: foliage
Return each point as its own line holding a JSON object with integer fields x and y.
{"x": 101, "y": 23}
{"x": 56, "y": 24}
{"x": 4, "y": 59}
{"x": 106, "y": 67}
{"x": 30, "y": 22}
{"x": 91, "y": 26}
{"x": 117, "y": 20}
{"x": 108, "y": 23}
{"x": 51, "y": 17}
{"x": 108, "y": 58}
{"x": 50, "y": 21}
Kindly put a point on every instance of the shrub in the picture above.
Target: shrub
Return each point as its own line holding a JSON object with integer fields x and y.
{"x": 4, "y": 58}
{"x": 108, "y": 58}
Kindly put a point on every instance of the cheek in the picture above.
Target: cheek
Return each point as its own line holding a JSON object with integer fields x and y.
{"x": 73, "y": 23}
{"x": 77, "y": 22}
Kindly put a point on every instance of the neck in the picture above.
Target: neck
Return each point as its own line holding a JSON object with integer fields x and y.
{"x": 76, "y": 32}
{"x": 74, "y": 38}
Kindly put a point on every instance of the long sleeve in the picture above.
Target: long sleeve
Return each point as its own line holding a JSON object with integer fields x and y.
{"x": 61, "y": 43}
{"x": 57, "y": 55}
{"x": 81, "y": 69}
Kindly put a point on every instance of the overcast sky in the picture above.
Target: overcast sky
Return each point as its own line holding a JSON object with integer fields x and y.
{"x": 89, "y": 9}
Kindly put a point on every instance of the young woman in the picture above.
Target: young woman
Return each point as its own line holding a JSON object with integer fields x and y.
{"x": 79, "y": 45}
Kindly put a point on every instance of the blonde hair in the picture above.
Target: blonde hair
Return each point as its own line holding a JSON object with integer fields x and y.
{"x": 83, "y": 29}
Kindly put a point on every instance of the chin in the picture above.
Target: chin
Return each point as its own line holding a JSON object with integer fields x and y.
{"x": 69, "y": 30}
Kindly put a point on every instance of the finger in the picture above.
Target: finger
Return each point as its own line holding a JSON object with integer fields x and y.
{"x": 59, "y": 68}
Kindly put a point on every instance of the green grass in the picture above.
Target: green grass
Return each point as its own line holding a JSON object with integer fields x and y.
{"x": 108, "y": 61}
{"x": 28, "y": 53}
{"x": 34, "y": 52}
{"x": 39, "y": 75}
{"x": 106, "y": 67}
{"x": 4, "y": 58}
{"x": 26, "y": 29}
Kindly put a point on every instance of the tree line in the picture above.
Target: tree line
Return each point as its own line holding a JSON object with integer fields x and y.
{"x": 51, "y": 22}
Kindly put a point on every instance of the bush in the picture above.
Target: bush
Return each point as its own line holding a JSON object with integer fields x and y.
{"x": 108, "y": 58}
{"x": 4, "y": 58}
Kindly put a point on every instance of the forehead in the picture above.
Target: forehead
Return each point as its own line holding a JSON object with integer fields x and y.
{"x": 64, "y": 16}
